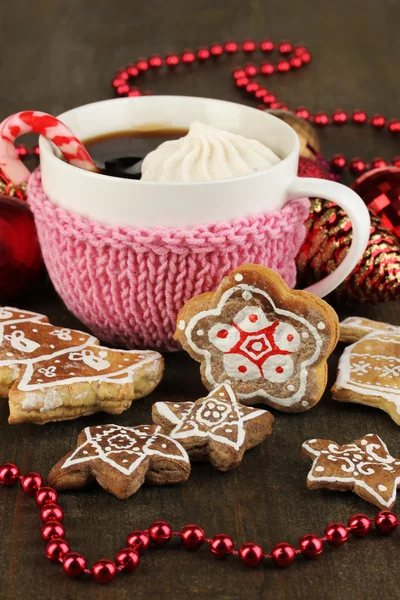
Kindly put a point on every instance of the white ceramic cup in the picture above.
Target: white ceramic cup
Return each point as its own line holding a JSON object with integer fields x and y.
{"x": 147, "y": 204}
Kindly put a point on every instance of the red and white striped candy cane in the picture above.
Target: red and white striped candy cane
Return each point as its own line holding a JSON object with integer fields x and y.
{"x": 33, "y": 121}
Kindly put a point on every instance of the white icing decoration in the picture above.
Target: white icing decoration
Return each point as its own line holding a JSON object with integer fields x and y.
{"x": 18, "y": 341}
{"x": 181, "y": 325}
{"x": 223, "y": 343}
{"x": 304, "y": 403}
{"x": 247, "y": 295}
{"x": 48, "y": 399}
{"x": 320, "y": 469}
{"x": 98, "y": 363}
{"x": 251, "y": 319}
{"x": 62, "y": 334}
{"x": 200, "y": 332}
{"x": 274, "y": 364}
{"x": 382, "y": 488}
{"x": 321, "y": 325}
{"x": 238, "y": 277}
{"x": 286, "y": 337}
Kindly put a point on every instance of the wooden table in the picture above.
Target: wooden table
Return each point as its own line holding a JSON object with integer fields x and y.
{"x": 56, "y": 55}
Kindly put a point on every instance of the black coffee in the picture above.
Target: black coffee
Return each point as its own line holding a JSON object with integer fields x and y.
{"x": 117, "y": 153}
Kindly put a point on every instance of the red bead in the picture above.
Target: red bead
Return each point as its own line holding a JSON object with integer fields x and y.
{"x": 394, "y": 126}
{"x": 192, "y": 536}
{"x": 303, "y": 113}
{"x": 261, "y": 107}
{"x": 36, "y": 150}
{"x": 117, "y": 81}
{"x": 283, "y": 66}
{"x": 378, "y": 121}
{"x": 123, "y": 89}
{"x": 267, "y": 68}
{"x": 30, "y": 483}
{"x": 336, "y": 534}
{"x": 104, "y": 571}
{"x": 124, "y": 75}
{"x": 250, "y": 70}
{"x": 269, "y": 98}
{"x": 46, "y": 495}
{"x": 134, "y": 92}
{"x": 378, "y": 163}
{"x": 252, "y": 87}
{"x": 74, "y": 564}
{"x": 300, "y": 50}
{"x": 231, "y": 47}
{"x": 127, "y": 559}
{"x": 248, "y": 46}
{"x": 396, "y": 161}
{"x": 132, "y": 71}
{"x": 357, "y": 166}
{"x": 188, "y": 57}
{"x": 221, "y": 545}
{"x": 9, "y": 474}
{"x": 160, "y": 532}
{"x": 155, "y": 61}
{"x": 22, "y": 151}
{"x": 275, "y": 105}
{"x": 321, "y": 119}
{"x": 239, "y": 73}
{"x": 386, "y": 522}
{"x": 283, "y": 554}
{"x": 142, "y": 65}
{"x": 267, "y": 46}
{"x": 172, "y": 60}
{"x": 306, "y": 57}
{"x": 216, "y": 49}
{"x": 296, "y": 62}
{"x": 203, "y": 53}
{"x": 359, "y": 525}
{"x": 251, "y": 554}
{"x": 261, "y": 92}
{"x": 285, "y": 47}
{"x": 359, "y": 117}
{"x": 340, "y": 117}
{"x": 52, "y": 529}
{"x": 310, "y": 546}
{"x": 138, "y": 540}
{"x": 242, "y": 82}
{"x": 51, "y": 512}
{"x": 338, "y": 163}
{"x": 56, "y": 549}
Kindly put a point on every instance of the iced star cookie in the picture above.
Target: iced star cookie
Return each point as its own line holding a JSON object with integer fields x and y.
{"x": 364, "y": 467}
{"x": 353, "y": 329}
{"x": 369, "y": 373}
{"x": 121, "y": 459}
{"x": 51, "y": 373}
{"x": 217, "y": 429}
{"x": 269, "y": 342}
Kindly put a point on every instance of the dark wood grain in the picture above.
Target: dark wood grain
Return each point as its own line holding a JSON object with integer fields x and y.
{"x": 56, "y": 55}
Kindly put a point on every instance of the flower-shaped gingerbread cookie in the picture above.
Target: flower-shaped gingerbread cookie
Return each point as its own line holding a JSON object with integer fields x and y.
{"x": 364, "y": 467}
{"x": 269, "y": 342}
{"x": 121, "y": 459}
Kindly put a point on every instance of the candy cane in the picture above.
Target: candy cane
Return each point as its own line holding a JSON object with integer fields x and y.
{"x": 33, "y": 121}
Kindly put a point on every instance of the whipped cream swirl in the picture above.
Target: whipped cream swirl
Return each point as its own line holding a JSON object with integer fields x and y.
{"x": 206, "y": 153}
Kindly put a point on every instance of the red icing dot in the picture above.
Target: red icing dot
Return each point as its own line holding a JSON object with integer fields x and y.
{"x": 290, "y": 337}
{"x": 242, "y": 369}
{"x": 253, "y": 318}
{"x": 279, "y": 369}
{"x": 223, "y": 333}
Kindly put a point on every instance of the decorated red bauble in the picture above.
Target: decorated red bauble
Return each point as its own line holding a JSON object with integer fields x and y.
{"x": 20, "y": 256}
{"x": 380, "y": 190}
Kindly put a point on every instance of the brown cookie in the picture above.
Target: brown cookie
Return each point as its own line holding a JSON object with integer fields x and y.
{"x": 216, "y": 429}
{"x": 353, "y": 329}
{"x": 369, "y": 373}
{"x": 121, "y": 459}
{"x": 51, "y": 373}
{"x": 364, "y": 467}
{"x": 269, "y": 342}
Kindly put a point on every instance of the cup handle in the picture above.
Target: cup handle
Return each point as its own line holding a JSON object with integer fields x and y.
{"x": 358, "y": 214}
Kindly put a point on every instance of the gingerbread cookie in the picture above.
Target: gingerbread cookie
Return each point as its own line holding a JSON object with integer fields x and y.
{"x": 269, "y": 342}
{"x": 353, "y": 329}
{"x": 364, "y": 467}
{"x": 121, "y": 459}
{"x": 51, "y": 373}
{"x": 216, "y": 429}
{"x": 369, "y": 373}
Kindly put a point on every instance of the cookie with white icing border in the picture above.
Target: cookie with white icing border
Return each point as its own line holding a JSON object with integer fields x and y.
{"x": 364, "y": 467}
{"x": 270, "y": 342}
{"x": 121, "y": 459}
{"x": 217, "y": 428}
{"x": 369, "y": 373}
{"x": 353, "y": 329}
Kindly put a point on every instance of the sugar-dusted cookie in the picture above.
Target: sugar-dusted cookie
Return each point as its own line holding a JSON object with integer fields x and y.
{"x": 269, "y": 342}
{"x": 217, "y": 429}
{"x": 364, "y": 467}
{"x": 355, "y": 328}
{"x": 51, "y": 373}
{"x": 121, "y": 459}
{"x": 369, "y": 373}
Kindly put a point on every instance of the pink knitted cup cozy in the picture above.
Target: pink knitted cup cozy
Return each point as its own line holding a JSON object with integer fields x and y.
{"x": 127, "y": 285}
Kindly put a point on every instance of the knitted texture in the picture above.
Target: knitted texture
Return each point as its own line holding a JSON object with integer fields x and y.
{"x": 127, "y": 285}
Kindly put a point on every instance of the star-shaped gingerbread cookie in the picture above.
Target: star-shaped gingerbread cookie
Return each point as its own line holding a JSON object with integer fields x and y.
{"x": 269, "y": 342}
{"x": 121, "y": 459}
{"x": 364, "y": 467}
{"x": 217, "y": 428}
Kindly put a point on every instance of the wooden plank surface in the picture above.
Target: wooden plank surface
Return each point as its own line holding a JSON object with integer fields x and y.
{"x": 57, "y": 55}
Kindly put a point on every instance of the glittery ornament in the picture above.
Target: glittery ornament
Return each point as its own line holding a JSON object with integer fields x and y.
{"x": 310, "y": 146}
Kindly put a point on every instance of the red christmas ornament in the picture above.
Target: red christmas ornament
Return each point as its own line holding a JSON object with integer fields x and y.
{"x": 51, "y": 512}
{"x": 285, "y": 47}
{"x": 221, "y": 545}
{"x": 138, "y": 540}
{"x": 378, "y": 122}
{"x": 357, "y": 166}
{"x": 160, "y": 532}
{"x": 231, "y": 47}
{"x": 104, "y": 571}
{"x": 74, "y": 564}
{"x": 46, "y": 495}
{"x": 283, "y": 554}
{"x": 192, "y": 536}
{"x": 188, "y": 57}
{"x": 155, "y": 61}
{"x": 56, "y": 549}
{"x": 249, "y": 46}
{"x": 20, "y": 256}
{"x": 359, "y": 525}
{"x": 386, "y": 522}
{"x": 267, "y": 45}
{"x": 30, "y": 483}
{"x": 310, "y": 546}
{"x": 339, "y": 117}
{"x": 394, "y": 126}
{"x": 336, "y": 534}
{"x": 338, "y": 163}
{"x": 359, "y": 117}
{"x": 203, "y": 53}
{"x": 216, "y": 49}
{"x": 172, "y": 60}
{"x": 321, "y": 119}
{"x": 251, "y": 554}
{"x": 127, "y": 559}
{"x": 142, "y": 65}
{"x": 52, "y": 529}
{"x": 9, "y": 474}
